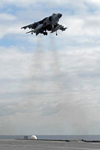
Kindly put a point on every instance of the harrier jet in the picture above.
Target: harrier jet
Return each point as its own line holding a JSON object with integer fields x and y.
{"x": 47, "y": 24}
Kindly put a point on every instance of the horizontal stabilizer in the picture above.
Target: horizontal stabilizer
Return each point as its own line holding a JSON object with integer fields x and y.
{"x": 30, "y": 32}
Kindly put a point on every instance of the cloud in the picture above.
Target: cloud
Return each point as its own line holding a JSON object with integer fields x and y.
{"x": 94, "y": 2}
{"x": 9, "y": 25}
{"x": 21, "y": 3}
{"x": 12, "y": 61}
{"x": 7, "y": 17}
{"x": 52, "y": 81}
{"x": 76, "y": 77}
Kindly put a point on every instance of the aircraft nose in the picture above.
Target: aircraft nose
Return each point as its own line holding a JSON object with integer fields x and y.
{"x": 59, "y": 15}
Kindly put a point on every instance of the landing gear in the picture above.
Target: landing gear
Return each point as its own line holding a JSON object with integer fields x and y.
{"x": 56, "y": 34}
{"x": 45, "y": 33}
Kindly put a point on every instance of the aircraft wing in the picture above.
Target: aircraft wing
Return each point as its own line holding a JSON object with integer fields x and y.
{"x": 34, "y": 25}
{"x": 30, "y": 26}
{"x": 42, "y": 21}
{"x": 63, "y": 28}
{"x": 58, "y": 27}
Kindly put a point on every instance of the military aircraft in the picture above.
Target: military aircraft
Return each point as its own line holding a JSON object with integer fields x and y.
{"x": 47, "y": 24}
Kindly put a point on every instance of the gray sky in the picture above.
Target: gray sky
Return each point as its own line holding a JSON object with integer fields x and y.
{"x": 50, "y": 85}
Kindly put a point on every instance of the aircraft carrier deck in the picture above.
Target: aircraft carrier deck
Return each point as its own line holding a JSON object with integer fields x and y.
{"x": 47, "y": 145}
